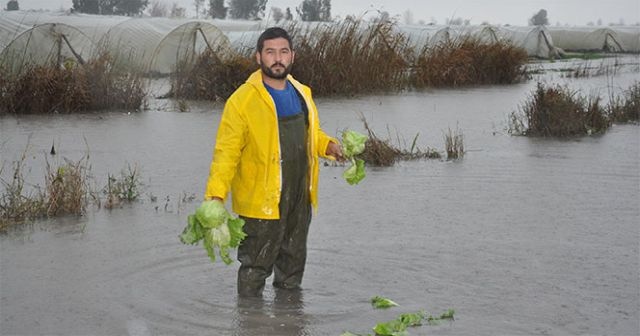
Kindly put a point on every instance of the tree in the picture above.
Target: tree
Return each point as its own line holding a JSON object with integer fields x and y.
{"x": 247, "y": 9}
{"x": 13, "y": 5}
{"x": 128, "y": 7}
{"x": 315, "y": 10}
{"x": 539, "y": 18}
{"x": 217, "y": 10}
{"x": 87, "y": 6}
{"x": 109, "y": 7}
{"x": 177, "y": 12}
{"x": 277, "y": 14}
{"x": 288, "y": 15}
{"x": 198, "y": 5}
{"x": 158, "y": 9}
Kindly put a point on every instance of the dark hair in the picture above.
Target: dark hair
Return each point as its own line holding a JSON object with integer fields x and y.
{"x": 273, "y": 33}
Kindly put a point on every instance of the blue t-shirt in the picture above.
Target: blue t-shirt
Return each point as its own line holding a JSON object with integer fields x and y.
{"x": 287, "y": 100}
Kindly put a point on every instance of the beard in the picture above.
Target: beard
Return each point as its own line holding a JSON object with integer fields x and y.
{"x": 269, "y": 72}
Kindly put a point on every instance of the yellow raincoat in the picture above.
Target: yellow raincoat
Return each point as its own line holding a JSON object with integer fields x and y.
{"x": 246, "y": 158}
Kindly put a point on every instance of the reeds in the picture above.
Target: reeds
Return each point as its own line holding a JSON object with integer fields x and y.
{"x": 66, "y": 191}
{"x": 211, "y": 77}
{"x": 66, "y": 188}
{"x": 468, "y": 61}
{"x": 72, "y": 87}
{"x": 559, "y": 112}
{"x": 454, "y": 144}
{"x": 354, "y": 57}
{"x": 382, "y": 153}
{"x": 351, "y": 57}
{"x": 125, "y": 188}
{"x": 627, "y": 107}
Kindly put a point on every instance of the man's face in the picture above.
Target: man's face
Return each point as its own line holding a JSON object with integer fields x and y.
{"x": 276, "y": 58}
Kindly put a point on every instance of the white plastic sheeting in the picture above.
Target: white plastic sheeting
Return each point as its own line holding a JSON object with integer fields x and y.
{"x": 49, "y": 43}
{"x": 158, "y": 44}
{"x": 536, "y": 40}
{"x": 586, "y": 39}
{"x": 145, "y": 44}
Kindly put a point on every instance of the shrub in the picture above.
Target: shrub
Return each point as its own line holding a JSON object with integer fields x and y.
{"x": 558, "y": 111}
{"x": 70, "y": 88}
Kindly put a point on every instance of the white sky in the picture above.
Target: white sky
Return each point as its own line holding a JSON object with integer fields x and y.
{"x": 514, "y": 12}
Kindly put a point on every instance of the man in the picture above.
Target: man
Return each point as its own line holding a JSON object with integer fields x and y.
{"x": 266, "y": 154}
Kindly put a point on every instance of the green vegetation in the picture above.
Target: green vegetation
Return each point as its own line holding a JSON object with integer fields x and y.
{"x": 627, "y": 107}
{"x": 216, "y": 227}
{"x": 468, "y": 61}
{"x": 66, "y": 191}
{"x": 356, "y": 57}
{"x": 382, "y": 153}
{"x": 125, "y": 188}
{"x": 399, "y": 326}
{"x": 454, "y": 144}
{"x": 560, "y": 112}
{"x": 74, "y": 87}
{"x": 211, "y": 77}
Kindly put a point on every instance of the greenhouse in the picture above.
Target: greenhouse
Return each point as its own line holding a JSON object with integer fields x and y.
{"x": 586, "y": 39}
{"x": 153, "y": 45}
{"x": 158, "y": 45}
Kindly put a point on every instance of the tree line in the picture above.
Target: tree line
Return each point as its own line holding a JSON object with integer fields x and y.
{"x": 308, "y": 10}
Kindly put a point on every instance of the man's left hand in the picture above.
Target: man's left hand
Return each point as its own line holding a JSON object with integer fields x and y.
{"x": 333, "y": 149}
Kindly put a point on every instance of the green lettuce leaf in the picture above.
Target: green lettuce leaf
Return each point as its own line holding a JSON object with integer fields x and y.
{"x": 221, "y": 235}
{"x": 353, "y": 143}
{"x": 211, "y": 214}
{"x": 412, "y": 320}
{"x": 355, "y": 173}
{"x": 235, "y": 228}
{"x": 391, "y": 328}
{"x": 192, "y": 233}
{"x": 382, "y": 302}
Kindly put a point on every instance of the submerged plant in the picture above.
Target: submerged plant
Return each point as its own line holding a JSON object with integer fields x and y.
{"x": 67, "y": 188}
{"x": 558, "y": 111}
{"x": 454, "y": 144}
{"x": 468, "y": 61}
{"x": 125, "y": 188}
{"x": 91, "y": 86}
{"x": 627, "y": 107}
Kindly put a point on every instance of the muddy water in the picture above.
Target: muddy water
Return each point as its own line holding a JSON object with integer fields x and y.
{"x": 521, "y": 237}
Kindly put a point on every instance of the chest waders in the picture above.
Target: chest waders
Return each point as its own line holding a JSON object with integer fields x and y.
{"x": 280, "y": 246}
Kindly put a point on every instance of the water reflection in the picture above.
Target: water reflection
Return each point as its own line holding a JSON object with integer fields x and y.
{"x": 284, "y": 316}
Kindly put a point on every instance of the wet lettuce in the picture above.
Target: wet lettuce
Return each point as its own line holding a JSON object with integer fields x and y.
{"x": 382, "y": 302}
{"x": 218, "y": 230}
{"x": 353, "y": 144}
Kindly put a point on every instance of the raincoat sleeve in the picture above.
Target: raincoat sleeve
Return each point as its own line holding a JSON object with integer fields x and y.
{"x": 230, "y": 140}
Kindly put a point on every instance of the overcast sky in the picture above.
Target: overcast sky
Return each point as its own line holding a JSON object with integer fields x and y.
{"x": 514, "y": 12}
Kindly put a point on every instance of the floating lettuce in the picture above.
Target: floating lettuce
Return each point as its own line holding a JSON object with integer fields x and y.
{"x": 382, "y": 302}
{"x": 353, "y": 143}
{"x": 216, "y": 227}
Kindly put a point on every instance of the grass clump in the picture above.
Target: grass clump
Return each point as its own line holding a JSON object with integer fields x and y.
{"x": 626, "y": 108}
{"x": 74, "y": 87}
{"x": 17, "y": 203}
{"x": 559, "y": 112}
{"x": 66, "y": 188}
{"x": 125, "y": 188}
{"x": 468, "y": 61}
{"x": 380, "y": 152}
{"x": 454, "y": 144}
{"x": 66, "y": 191}
{"x": 211, "y": 77}
{"x": 351, "y": 57}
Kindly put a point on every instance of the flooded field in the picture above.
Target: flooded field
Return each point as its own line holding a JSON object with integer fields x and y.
{"x": 523, "y": 236}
